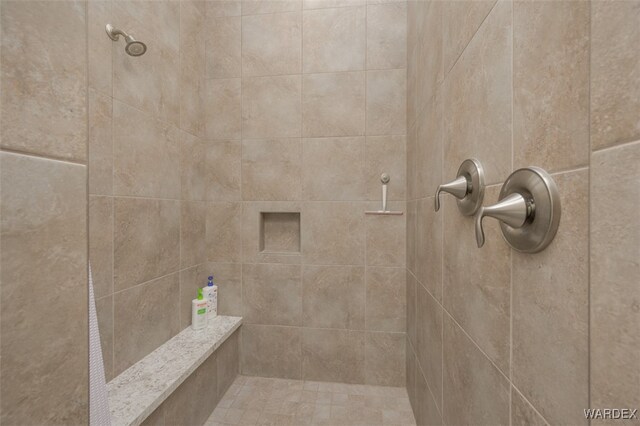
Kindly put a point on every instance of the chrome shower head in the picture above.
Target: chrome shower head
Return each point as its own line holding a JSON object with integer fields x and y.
{"x": 133, "y": 47}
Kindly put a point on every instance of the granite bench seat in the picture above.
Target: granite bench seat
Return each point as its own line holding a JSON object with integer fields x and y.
{"x": 139, "y": 390}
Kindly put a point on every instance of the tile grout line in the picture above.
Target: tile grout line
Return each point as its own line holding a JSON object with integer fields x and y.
{"x": 464, "y": 49}
{"x": 87, "y": 224}
{"x": 302, "y": 186}
{"x": 13, "y": 151}
{"x": 113, "y": 209}
{"x": 589, "y": 212}
{"x": 511, "y": 259}
{"x": 619, "y": 145}
{"x": 366, "y": 269}
{"x": 443, "y": 95}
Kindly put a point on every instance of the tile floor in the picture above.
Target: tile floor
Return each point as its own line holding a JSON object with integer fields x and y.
{"x": 280, "y": 402}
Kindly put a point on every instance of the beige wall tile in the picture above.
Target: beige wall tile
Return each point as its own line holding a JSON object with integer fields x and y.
{"x": 224, "y": 46}
{"x": 385, "y": 239}
{"x": 100, "y": 154}
{"x": 193, "y": 233}
{"x": 386, "y": 154}
{"x": 460, "y": 21}
{"x": 271, "y": 44}
{"x": 522, "y": 413}
{"x": 192, "y": 67}
{"x": 334, "y": 40}
{"x": 157, "y": 21}
{"x": 271, "y": 351}
{"x": 223, "y": 8}
{"x": 412, "y": 87}
{"x": 551, "y": 84}
{"x": 191, "y": 279}
{"x": 429, "y": 239}
{"x": 478, "y": 97}
{"x": 104, "y": 312}
{"x": 412, "y": 169}
{"x": 478, "y": 294}
{"x": 429, "y": 325}
{"x": 323, "y": 4}
{"x": 271, "y": 169}
{"x": 386, "y": 102}
{"x": 333, "y": 355}
{"x": 474, "y": 390}
{"x": 228, "y": 278}
{"x": 43, "y": 100}
{"x": 412, "y": 8}
{"x": 412, "y": 308}
{"x": 44, "y": 251}
{"x": 271, "y": 106}
{"x": 550, "y": 305}
{"x": 615, "y": 71}
{"x": 387, "y": 35}
{"x": 146, "y": 155}
{"x": 333, "y": 168}
{"x": 429, "y": 149}
{"x": 255, "y": 7}
{"x": 384, "y": 359}
{"x": 193, "y": 167}
{"x": 412, "y": 235}
{"x": 223, "y": 109}
{"x": 429, "y": 52}
{"x": 101, "y": 244}
{"x": 100, "y": 54}
{"x": 194, "y": 400}
{"x": 426, "y": 411}
{"x": 333, "y": 297}
{"x": 144, "y": 317}
{"x": 224, "y": 232}
{"x": 333, "y": 104}
{"x": 324, "y": 227}
{"x": 223, "y": 170}
{"x": 272, "y": 294}
{"x": 410, "y": 374}
{"x": 199, "y": 5}
{"x": 615, "y": 295}
{"x": 252, "y": 231}
{"x": 146, "y": 240}
{"x": 150, "y": 82}
{"x": 386, "y": 298}
{"x": 228, "y": 362}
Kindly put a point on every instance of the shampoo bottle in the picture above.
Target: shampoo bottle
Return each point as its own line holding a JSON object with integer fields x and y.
{"x": 198, "y": 312}
{"x": 211, "y": 295}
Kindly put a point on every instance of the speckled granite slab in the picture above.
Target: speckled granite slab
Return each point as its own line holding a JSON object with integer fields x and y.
{"x": 140, "y": 389}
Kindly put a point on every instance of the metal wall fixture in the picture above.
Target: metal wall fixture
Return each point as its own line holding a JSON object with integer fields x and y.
{"x": 384, "y": 179}
{"x": 133, "y": 47}
{"x": 528, "y": 210}
{"x": 468, "y": 187}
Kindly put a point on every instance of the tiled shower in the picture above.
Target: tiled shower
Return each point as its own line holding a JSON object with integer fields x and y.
{"x": 248, "y": 142}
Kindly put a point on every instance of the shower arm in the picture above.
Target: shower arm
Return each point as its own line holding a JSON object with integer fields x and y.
{"x": 115, "y": 33}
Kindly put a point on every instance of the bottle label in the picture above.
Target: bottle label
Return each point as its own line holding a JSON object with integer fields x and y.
{"x": 202, "y": 311}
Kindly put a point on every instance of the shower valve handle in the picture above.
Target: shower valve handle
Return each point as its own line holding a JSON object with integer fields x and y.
{"x": 513, "y": 210}
{"x": 468, "y": 187}
{"x": 528, "y": 209}
{"x": 459, "y": 188}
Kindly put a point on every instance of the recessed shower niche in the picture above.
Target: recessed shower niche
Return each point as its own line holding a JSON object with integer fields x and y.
{"x": 280, "y": 232}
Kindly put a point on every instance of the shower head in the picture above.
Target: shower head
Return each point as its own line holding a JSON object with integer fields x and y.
{"x": 133, "y": 47}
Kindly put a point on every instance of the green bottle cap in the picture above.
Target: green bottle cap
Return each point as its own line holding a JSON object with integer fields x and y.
{"x": 200, "y": 297}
